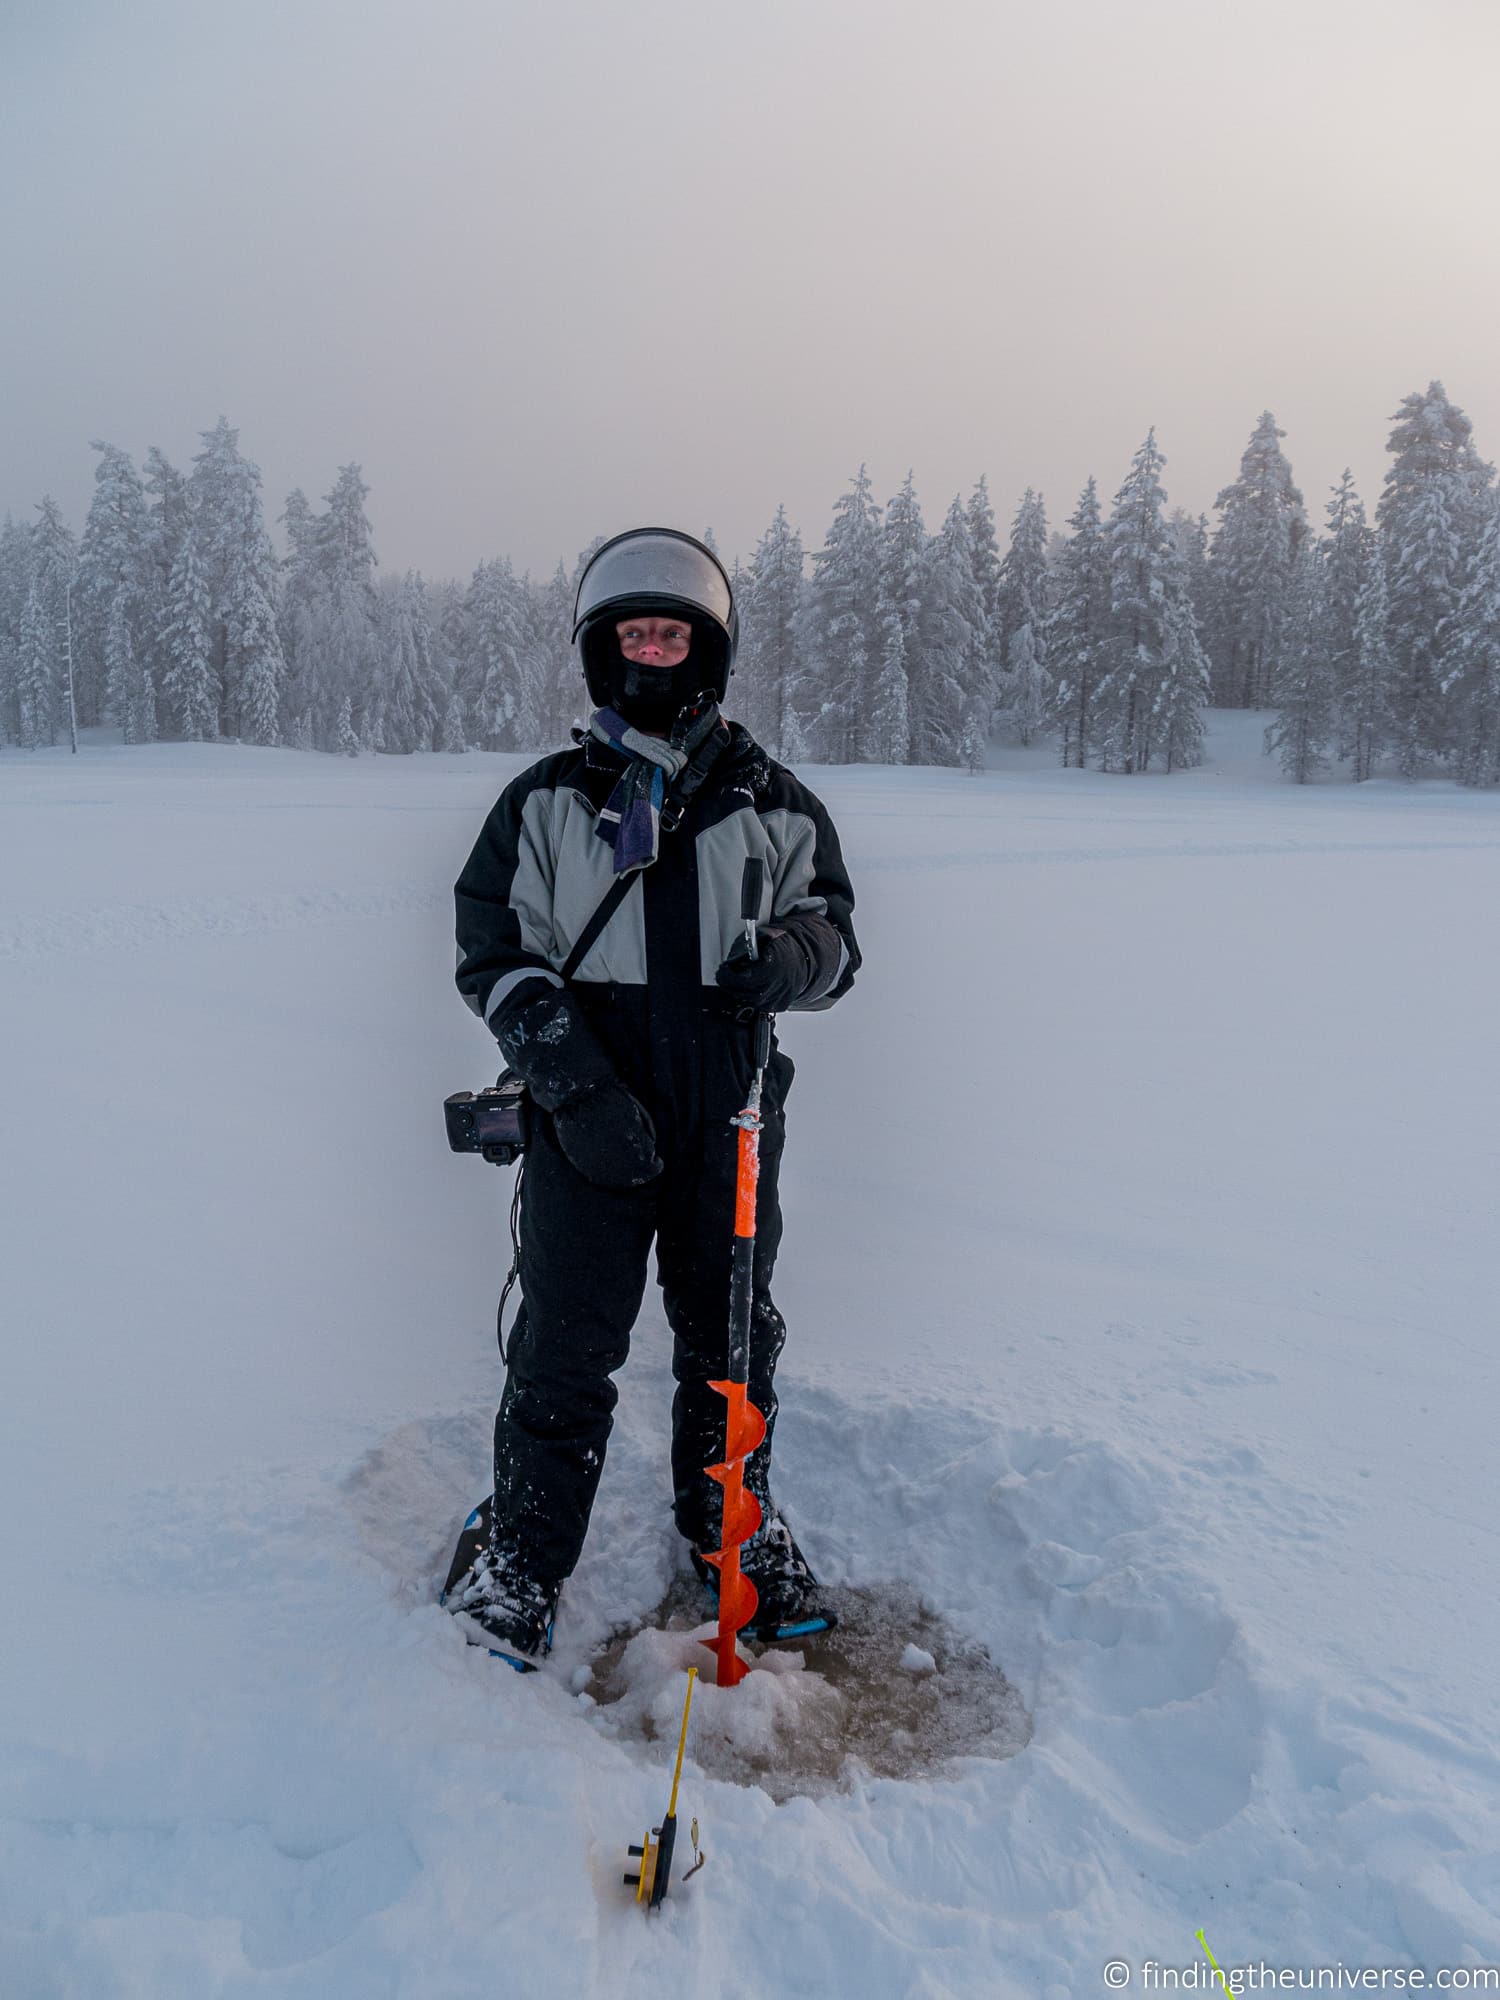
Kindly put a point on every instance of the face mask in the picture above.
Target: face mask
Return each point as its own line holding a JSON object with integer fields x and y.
{"x": 652, "y": 697}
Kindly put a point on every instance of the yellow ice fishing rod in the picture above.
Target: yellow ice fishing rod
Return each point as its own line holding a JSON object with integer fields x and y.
{"x": 650, "y": 1884}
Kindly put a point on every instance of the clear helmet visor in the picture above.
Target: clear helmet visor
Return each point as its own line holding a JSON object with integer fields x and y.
{"x": 649, "y": 563}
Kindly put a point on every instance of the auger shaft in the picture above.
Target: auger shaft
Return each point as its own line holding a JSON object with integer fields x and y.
{"x": 744, "y": 1424}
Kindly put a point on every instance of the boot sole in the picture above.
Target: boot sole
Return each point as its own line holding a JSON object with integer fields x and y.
{"x": 766, "y": 1635}
{"x": 521, "y": 1663}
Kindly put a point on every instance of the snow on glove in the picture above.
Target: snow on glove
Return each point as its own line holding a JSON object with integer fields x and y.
{"x": 545, "y": 1038}
{"x": 778, "y": 977}
{"x": 608, "y": 1136}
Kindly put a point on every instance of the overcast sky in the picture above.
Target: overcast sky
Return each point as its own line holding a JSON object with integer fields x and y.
{"x": 547, "y": 270}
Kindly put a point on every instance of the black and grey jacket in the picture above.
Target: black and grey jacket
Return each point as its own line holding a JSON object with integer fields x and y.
{"x": 539, "y": 870}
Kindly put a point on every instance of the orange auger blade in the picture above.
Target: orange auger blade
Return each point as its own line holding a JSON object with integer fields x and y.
{"x": 744, "y": 1429}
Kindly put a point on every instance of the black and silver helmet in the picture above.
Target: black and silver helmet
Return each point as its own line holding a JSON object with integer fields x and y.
{"x": 661, "y": 571}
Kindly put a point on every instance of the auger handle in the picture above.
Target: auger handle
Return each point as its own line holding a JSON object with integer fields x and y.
{"x": 751, "y": 884}
{"x": 762, "y": 1042}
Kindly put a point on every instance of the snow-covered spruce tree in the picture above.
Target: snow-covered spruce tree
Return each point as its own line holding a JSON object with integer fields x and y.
{"x": 1189, "y": 533}
{"x": 37, "y": 673}
{"x": 986, "y": 546}
{"x": 371, "y": 727}
{"x": 342, "y": 655}
{"x": 258, "y": 662}
{"x": 1472, "y": 651}
{"x": 1303, "y": 729}
{"x": 950, "y": 691}
{"x": 1262, "y": 526}
{"x": 1027, "y": 704}
{"x": 188, "y": 691}
{"x": 168, "y": 513}
{"x": 346, "y": 549}
{"x": 491, "y": 678}
{"x": 456, "y": 648}
{"x": 297, "y": 616}
{"x": 771, "y": 620}
{"x": 841, "y": 635}
{"x": 129, "y": 695}
{"x": 903, "y": 558}
{"x": 115, "y": 605}
{"x": 567, "y": 697}
{"x": 1177, "y": 714}
{"x": 15, "y": 586}
{"x": 346, "y": 564}
{"x": 568, "y": 701}
{"x": 1139, "y": 559}
{"x": 42, "y": 663}
{"x": 413, "y": 698}
{"x": 453, "y": 728}
{"x": 346, "y": 736}
{"x": 1025, "y": 684}
{"x": 1347, "y": 550}
{"x": 1424, "y": 568}
{"x": 328, "y": 619}
{"x": 239, "y": 568}
{"x": 1079, "y": 628}
{"x": 1431, "y": 518}
{"x": 537, "y": 690}
{"x": 1365, "y": 722}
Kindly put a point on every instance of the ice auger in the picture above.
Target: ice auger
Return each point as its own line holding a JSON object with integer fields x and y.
{"x": 744, "y": 1425}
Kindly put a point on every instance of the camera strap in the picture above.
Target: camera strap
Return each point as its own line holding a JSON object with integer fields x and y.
{"x": 515, "y": 1260}
{"x": 613, "y": 896}
{"x": 677, "y": 801}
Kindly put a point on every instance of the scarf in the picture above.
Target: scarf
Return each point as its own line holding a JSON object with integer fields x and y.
{"x": 630, "y": 819}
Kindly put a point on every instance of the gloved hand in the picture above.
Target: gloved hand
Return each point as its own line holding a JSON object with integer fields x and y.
{"x": 607, "y": 1134}
{"x": 604, "y": 1131}
{"x": 546, "y": 1039}
{"x": 778, "y": 977}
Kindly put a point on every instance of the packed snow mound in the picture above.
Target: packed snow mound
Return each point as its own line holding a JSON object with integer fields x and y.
{"x": 754, "y": 1731}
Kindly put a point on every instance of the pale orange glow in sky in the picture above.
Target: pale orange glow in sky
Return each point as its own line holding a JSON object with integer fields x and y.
{"x": 549, "y": 269}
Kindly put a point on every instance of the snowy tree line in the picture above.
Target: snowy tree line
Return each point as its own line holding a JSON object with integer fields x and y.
{"x": 172, "y": 616}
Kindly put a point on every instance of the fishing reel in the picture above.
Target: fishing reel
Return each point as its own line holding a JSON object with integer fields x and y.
{"x": 651, "y": 1880}
{"x": 656, "y": 1861}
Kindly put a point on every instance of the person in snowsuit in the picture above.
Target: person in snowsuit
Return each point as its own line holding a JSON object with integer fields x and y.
{"x": 600, "y": 937}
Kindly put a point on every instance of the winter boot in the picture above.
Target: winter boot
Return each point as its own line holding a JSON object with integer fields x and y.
{"x": 791, "y": 1606}
{"x": 503, "y": 1608}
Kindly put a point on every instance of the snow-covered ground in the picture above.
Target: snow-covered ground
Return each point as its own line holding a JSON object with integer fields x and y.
{"x": 1141, "y": 1269}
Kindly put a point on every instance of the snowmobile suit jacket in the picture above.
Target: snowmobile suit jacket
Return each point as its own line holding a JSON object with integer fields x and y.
{"x": 539, "y": 870}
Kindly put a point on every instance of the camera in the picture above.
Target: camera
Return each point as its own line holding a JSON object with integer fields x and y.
{"x": 492, "y": 1123}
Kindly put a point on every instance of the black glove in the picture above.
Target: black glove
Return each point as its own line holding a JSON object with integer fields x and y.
{"x": 605, "y": 1132}
{"x": 545, "y": 1038}
{"x": 608, "y": 1136}
{"x": 778, "y": 977}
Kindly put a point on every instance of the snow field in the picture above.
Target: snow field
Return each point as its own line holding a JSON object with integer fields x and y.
{"x": 1139, "y": 1271}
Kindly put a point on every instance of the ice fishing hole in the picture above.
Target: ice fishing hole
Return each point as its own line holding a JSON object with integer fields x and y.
{"x": 820, "y": 1713}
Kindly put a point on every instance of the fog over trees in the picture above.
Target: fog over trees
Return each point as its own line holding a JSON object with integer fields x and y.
{"x": 1376, "y": 644}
